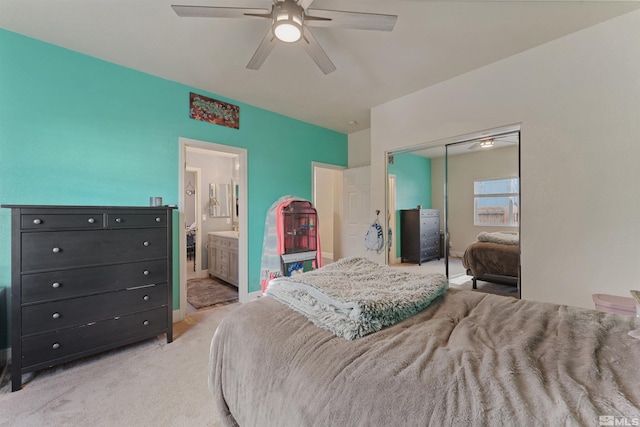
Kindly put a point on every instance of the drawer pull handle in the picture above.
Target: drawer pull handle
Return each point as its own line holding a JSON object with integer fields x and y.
{"x": 55, "y": 346}
{"x": 158, "y": 219}
{"x": 55, "y": 285}
{"x": 56, "y": 250}
{"x": 118, "y": 219}
{"x": 146, "y": 243}
{"x": 145, "y": 323}
{"x": 37, "y": 221}
{"x": 91, "y": 220}
{"x": 146, "y": 297}
{"x": 146, "y": 272}
{"x": 56, "y": 315}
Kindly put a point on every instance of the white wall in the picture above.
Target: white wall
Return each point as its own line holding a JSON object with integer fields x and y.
{"x": 360, "y": 148}
{"x": 578, "y": 101}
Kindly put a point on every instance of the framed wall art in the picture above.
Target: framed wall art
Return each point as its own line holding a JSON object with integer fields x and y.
{"x": 213, "y": 111}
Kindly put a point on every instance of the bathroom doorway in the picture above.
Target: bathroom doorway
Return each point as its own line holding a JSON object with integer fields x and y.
{"x": 209, "y": 214}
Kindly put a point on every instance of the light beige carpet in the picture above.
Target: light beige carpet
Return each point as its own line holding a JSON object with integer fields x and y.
{"x": 147, "y": 384}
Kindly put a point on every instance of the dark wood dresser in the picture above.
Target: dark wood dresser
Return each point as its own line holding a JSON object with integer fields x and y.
{"x": 87, "y": 279}
{"x": 420, "y": 235}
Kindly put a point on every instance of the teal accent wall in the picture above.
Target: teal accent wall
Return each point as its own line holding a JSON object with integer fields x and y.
{"x": 76, "y": 130}
{"x": 413, "y": 186}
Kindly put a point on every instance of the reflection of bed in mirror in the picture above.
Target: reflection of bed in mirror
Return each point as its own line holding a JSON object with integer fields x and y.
{"x": 494, "y": 257}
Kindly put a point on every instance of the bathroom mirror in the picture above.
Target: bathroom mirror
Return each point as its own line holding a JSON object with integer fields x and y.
{"x": 219, "y": 200}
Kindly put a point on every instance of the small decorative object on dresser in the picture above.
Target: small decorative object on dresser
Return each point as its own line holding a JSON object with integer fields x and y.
{"x": 420, "y": 235}
{"x": 87, "y": 279}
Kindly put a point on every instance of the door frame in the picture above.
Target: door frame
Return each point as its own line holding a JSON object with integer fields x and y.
{"x": 314, "y": 184}
{"x": 198, "y": 200}
{"x": 243, "y": 246}
{"x": 391, "y": 219}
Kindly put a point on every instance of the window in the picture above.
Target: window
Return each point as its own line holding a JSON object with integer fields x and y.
{"x": 496, "y": 202}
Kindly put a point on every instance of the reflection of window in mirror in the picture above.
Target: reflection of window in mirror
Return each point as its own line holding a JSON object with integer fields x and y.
{"x": 496, "y": 202}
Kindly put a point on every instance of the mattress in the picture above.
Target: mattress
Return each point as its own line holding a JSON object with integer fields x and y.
{"x": 487, "y": 258}
{"x": 468, "y": 359}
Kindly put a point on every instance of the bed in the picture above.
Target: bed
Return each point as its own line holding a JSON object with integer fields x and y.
{"x": 467, "y": 359}
{"x": 494, "y": 257}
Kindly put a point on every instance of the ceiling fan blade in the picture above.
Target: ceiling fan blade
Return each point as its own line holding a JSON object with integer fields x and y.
{"x": 218, "y": 12}
{"x": 266, "y": 46}
{"x": 305, "y": 3}
{"x": 316, "y": 53}
{"x": 353, "y": 20}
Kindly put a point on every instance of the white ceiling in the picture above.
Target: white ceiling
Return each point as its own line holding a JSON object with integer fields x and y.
{"x": 433, "y": 41}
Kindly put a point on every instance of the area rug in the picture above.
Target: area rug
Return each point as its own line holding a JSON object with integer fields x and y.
{"x": 208, "y": 292}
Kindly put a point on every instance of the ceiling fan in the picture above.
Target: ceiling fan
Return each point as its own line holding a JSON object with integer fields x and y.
{"x": 290, "y": 20}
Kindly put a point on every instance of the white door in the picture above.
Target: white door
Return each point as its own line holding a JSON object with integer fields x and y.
{"x": 356, "y": 218}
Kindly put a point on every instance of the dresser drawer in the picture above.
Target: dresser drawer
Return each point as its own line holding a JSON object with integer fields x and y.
{"x": 57, "y": 315}
{"x": 430, "y": 242}
{"x": 128, "y": 220}
{"x": 91, "y": 338}
{"x": 430, "y": 223}
{"x": 52, "y": 221}
{"x": 429, "y": 253}
{"x": 86, "y": 281}
{"x": 429, "y": 213}
{"x": 432, "y": 233}
{"x": 63, "y": 249}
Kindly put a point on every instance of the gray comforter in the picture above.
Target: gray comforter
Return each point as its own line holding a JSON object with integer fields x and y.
{"x": 469, "y": 359}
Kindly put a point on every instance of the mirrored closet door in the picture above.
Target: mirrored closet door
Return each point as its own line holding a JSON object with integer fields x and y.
{"x": 474, "y": 185}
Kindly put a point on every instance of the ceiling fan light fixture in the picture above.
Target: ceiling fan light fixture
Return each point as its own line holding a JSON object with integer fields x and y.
{"x": 486, "y": 143}
{"x": 287, "y": 21}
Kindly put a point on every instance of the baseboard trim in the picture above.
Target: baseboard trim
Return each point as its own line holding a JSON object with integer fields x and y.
{"x": 327, "y": 255}
{"x": 254, "y": 295}
{"x": 456, "y": 254}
